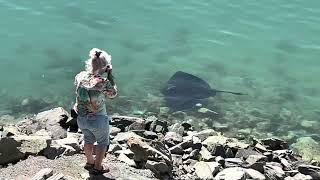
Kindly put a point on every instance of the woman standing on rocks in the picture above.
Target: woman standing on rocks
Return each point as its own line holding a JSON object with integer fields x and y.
{"x": 92, "y": 87}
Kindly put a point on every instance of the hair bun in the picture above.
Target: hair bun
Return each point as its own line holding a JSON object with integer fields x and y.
{"x": 98, "y": 54}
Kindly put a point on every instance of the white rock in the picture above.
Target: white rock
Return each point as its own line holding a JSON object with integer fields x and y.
{"x": 203, "y": 170}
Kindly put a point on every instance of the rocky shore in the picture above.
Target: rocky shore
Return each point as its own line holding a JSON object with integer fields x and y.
{"x": 49, "y": 146}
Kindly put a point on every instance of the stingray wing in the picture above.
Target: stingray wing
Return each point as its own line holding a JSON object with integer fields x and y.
{"x": 187, "y": 85}
{"x": 184, "y": 90}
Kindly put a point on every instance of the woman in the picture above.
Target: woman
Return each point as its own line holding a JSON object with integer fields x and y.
{"x": 92, "y": 87}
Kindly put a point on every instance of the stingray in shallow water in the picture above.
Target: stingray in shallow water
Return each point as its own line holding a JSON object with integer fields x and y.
{"x": 183, "y": 91}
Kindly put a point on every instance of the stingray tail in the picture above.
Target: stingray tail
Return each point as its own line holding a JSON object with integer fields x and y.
{"x": 235, "y": 93}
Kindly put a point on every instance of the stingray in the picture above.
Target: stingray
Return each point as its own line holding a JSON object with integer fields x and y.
{"x": 183, "y": 91}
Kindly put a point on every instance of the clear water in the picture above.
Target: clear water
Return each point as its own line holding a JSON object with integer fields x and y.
{"x": 269, "y": 49}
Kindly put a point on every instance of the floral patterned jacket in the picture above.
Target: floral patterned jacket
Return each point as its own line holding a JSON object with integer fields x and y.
{"x": 92, "y": 91}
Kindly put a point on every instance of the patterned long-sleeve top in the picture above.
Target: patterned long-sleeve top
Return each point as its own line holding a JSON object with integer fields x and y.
{"x": 91, "y": 93}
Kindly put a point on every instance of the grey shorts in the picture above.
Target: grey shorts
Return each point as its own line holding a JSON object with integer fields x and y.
{"x": 95, "y": 128}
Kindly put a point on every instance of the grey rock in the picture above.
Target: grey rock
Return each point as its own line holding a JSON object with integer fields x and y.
{"x": 17, "y": 147}
{"x": 229, "y": 153}
{"x": 234, "y": 173}
{"x": 244, "y": 153}
{"x": 177, "y": 149}
{"x": 204, "y": 134}
{"x": 256, "y": 162}
{"x": 256, "y": 175}
{"x": 137, "y": 125}
{"x": 233, "y": 162}
{"x": 299, "y": 176}
{"x": 196, "y": 142}
{"x": 220, "y": 160}
{"x": 146, "y": 134}
{"x": 177, "y": 128}
{"x": 159, "y": 168}
{"x": 187, "y": 126}
{"x": 273, "y": 172}
{"x": 190, "y": 162}
{"x": 123, "y": 158}
{"x": 205, "y": 155}
{"x": 256, "y": 158}
{"x": 158, "y": 126}
{"x": 215, "y": 167}
{"x": 58, "y": 150}
{"x": 195, "y": 154}
{"x": 114, "y": 147}
{"x": 114, "y": 131}
{"x": 127, "y": 152}
{"x": 313, "y": 171}
{"x": 155, "y": 151}
{"x": 188, "y": 150}
{"x": 172, "y": 138}
{"x": 286, "y": 165}
{"x": 123, "y": 137}
{"x": 274, "y": 144}
{"x": 123, "y": 122}
{"x": 54, "y": 121}
{"x": 188, "y": 169}
{"x": 217, "y": 150}
{"x": 57, "y": 176}
{"x": 43, "y": 174}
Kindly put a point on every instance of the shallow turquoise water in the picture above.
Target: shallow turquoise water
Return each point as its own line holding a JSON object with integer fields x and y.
{"x": 268, "y": 48}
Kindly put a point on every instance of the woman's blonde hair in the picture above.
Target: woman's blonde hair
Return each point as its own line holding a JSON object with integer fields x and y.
{"x": 98, "y": 59}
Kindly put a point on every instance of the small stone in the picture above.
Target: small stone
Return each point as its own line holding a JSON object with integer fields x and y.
{"x": 195, "y": 154}
{"x": 206, "y": 111}
{"x": 164, "y": 110}
{"x": 198, "y": 105}
{"x": 229, "y": 153}
{"x": 188, "y": 150}
{"x": 220, "y": 160}
{"x": 25, "y": 102}
{"x": 177, "y": 149}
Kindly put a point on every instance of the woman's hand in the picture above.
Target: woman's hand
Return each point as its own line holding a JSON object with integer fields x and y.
{"x": 112, "y": 93}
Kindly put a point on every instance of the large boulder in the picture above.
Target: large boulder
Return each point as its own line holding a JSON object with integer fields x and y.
{"x": 14, "y": 148}
{"x": 53, "y": 120}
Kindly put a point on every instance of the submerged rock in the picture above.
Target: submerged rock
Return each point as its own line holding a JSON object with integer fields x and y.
{"x": 308, "y": 148}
